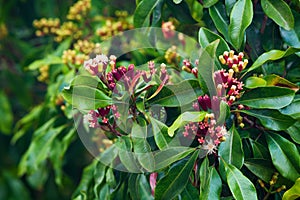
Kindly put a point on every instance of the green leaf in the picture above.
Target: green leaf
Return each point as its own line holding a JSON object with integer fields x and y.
{"x": 206, "y": 68}
{"x": 127, "y": 156}
{"x": 142, "y": 13}
{"x": 99, "y": 175}
{"x": 206, "y": 37}
{"x": 177, "y": 1}
{"x": 137, "y": 186}
{"x": 231, "y": 150}
{"x": 185, "y": 118}
{"x": 87, "y": 80}
{"x": 170, "y": 155}
{"x": 285, "y": 156}
{"x": 240, "y": 186}
{"x": 224, "y": 113}
{"x": 175, "y": 95}
{"x": 85, "y": 181}
{"x": 6, "y": 114}
{"x": 271, "y": 119}
{"x": 210, "y": 182}
{"x": 280, "y": 12}
{"x": 142, "y": 149}
{"x": 229, "y": 5}
{"x": 293, "y": 192}
{"x": 189, "y": 192}
{"x": 160, "y": 132}
{"x": 254, "y": 82}
{"x": 40, "y": 147}
{"x": 240, "y": 18}
{"x": 292, "y": 37}
{"x": 267, "y": 97}
{"x": 292, "y": 110}
{"x": 275, "y": 80}
{"x": 181, "y": 12}
{"x": 271, "y": 55}
{"x": 48, "y": 60}
{"x": 175, "y": 180}
{"x": 221, "y": 21}
{"x": 262, "y": 168}
{"x": 209, "y": 3}
{"x": 259, "y": 150}
{"x": 86, "y": 98}
{"x": 294, "y": 131}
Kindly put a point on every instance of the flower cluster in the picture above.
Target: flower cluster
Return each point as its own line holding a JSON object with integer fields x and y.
{"x": 207, "y": 133}
{"x": 236, "y": 62}
{"x": 113, "y": 27}
{"x": 44, "y": 73}
{"x": 53, "y": 27}
{"x": 71, "y": 57}
{"x": 86, "y": 47}
{"x": 79, "y": 10}
{"x": 46, "y": 26}
{"x": 190, "y": 68}
{"x": 101, "y": 116}
{"x": 172, "y": 56}
{"x": 168, "y": 29}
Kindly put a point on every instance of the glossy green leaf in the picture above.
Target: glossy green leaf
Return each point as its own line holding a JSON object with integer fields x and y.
{"x": 126, "y": 154}
{"x": 292, "y": 109}
{"x": 209, "y": 3}
{"x": 141, "y": 147}
{"x": 285, "y": 156}
{"x": 240, "y": 18}
{"x": 267, "y": 97}
{"x": 259, "y": 150}
{"x": 87, "y": 80}
{"x": 224, "y": 113}
{"x": 109, "y": 155}
{"x": 271, "y": 119}
{"x": 262, "y": 168}
{"x": 190, "y": 192}
{"x": 229, "y": 5}
{"x": 240, "y": 186}
{"x": 142, "y": 13}
{"x": 177, "y": 1}
{"x": 280, "y": 12}
{"x": 86, "y": 98}
{"x": 206, "y": 68}
{"x": 221, "y": 21}
{"x": 294, "y": 131}
{"x": 210, "y": 182}
{"x": 271, "y": 55}
{"x": 138, "y": 187}
{"x": 160, "y": 132}
{"x": 275, "y": 80}
{"x": 231, "y": 150}
{"x": 5, "y": 114}
{"x": 99, "y": 175}
{"x": 175, "y": 180}
{"x": 254, "y": 82}
{"x": 185, "y": 118}
{"x": 292, "y": 37}
{"x": 170, "y": 155}
{"x": 206, "y": 37}
{"x": 293, "y": 192}
{"x": 175, "y": 95}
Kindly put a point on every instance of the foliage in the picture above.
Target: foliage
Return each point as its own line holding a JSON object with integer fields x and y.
{"x": 205, "y": 106}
